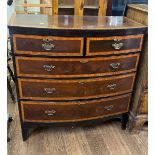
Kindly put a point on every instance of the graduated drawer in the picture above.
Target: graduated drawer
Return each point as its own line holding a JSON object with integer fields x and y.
{"x": 47, "y": 45}
{"x": 33, "y": 111}
{"x": 75, "y": 89}
{"x": 68, "y": 67}
{"x": 114, "y": 45}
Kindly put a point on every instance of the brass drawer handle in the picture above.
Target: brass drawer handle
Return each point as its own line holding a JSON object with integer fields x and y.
{"x": 50, "y": 112}
{"x": 108, "y": 107}
{"x": 48, "y": 67}
{"x": 49, "y": 90}
{"x": 115, "y": 65}
{"x": 117, "y": 45}
{"x": 111, "y": 86}
{"x": 47, "y": 45}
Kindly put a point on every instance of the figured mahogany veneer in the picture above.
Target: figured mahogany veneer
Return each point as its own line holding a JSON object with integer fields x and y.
{"x": 47, "y": 45}
{"x": 69, "y": 67}
{"x": 67, "y": 89}
{"x": 114, "y": 45}
{"x": 74, "y": 68}
{"x": 73, "y": 111}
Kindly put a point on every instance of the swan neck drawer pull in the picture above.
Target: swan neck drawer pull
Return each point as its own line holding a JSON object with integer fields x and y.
{"x": 48, "y": 67}
{"x": 117, "y": 45}
{"x": 115, "y": 65}
{"x": 47, "y": 45}
{"x": 111, "y": 86}
{"x": 50, "y": 112}
{"x": 49, "y": 90}
{"x": 108, "y": 107}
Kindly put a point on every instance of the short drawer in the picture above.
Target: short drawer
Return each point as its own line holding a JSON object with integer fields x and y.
{"x": 75, "y": 89}
{"x": 114, "y": 45}
{"x": 73, "y": 111}
{"x": 68, "y": 67}
{"x": 47, "y": 45}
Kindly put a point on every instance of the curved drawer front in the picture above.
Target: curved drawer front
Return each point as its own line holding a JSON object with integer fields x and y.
{"x": 75, "y": 89}
{"x": 86, "y": 67}
{"x": 73, "y": 111}
{"x": 47, "y": 45}
{"x": 114, "y": 45}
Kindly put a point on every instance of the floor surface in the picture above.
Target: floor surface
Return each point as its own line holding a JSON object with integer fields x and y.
{"x": 103, "y": 139}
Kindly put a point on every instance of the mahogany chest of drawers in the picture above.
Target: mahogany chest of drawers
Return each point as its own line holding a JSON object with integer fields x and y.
{"x": 72, "y": 69}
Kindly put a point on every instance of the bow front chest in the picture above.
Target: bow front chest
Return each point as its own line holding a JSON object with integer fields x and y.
{"x": 72, "y": 69}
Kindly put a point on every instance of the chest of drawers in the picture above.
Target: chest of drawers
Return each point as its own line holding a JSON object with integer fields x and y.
{"x": 72, "y": 69}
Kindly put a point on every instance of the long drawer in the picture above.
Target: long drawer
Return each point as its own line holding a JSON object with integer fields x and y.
{"x": 75, "y": 89}
{"x": 73, "y": 111}
{"x": 47, "y": 45}
{"x": 69, "y": 67}
{"x": 114, "y": 45}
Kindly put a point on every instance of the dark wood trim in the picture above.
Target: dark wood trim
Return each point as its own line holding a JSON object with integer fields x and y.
{"x": 125, "y": 118}
{"x": 109, "y": 8}
{"x": 75, "y": 33}
{"x": 15, "y": 74}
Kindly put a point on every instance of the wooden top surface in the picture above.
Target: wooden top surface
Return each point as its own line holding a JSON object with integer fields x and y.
{"x": 72, "y": 22}
{"x": 141, "y": 7}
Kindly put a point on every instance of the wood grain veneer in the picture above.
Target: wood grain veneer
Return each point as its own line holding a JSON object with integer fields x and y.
{"x": 74, "y": 111}
{"x": 77, "y": 67}
{"x": 103, "y": 46}
{"x": 63, "y": 46}
{"x": 67, "y": 89}
{"x": 88, "y": 22}
{"x": 74, "y": 81}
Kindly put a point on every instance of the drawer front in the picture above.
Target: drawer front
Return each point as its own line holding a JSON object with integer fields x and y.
{"x": 75, "y": 89}
{"x": 47, "y": 45}
{"x": 73, "y": 111}
{"x": 114, "y": 45}
{"x": 86, "y": 67}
